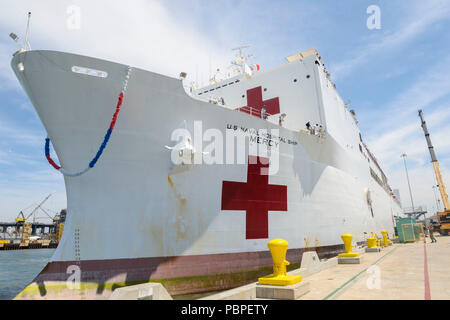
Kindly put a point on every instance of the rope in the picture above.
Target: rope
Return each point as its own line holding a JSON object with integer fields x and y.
{"x": 105, "y": 139}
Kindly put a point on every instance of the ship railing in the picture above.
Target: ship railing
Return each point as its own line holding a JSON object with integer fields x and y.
{"x": 416, "y": 209}
{"x": 252, "y": 111}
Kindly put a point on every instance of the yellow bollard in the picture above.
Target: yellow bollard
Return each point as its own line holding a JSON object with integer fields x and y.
{"x": 372, "y": 243}
{"x": 347, "y": 238}
{"x": 278, "y": 248}
{"x": 385, "y": 238}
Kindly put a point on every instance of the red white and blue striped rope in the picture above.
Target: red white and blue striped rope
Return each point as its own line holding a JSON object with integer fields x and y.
{"x": 105, "y": 140}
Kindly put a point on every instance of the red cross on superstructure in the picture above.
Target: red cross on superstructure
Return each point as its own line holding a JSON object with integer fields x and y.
{"x": 256, "y": 197}
{"x": 255, "y": 103}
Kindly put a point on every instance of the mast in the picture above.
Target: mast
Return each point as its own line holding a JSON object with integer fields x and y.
{"x": 27, "y": 33}
{"x": 241, "y": 58}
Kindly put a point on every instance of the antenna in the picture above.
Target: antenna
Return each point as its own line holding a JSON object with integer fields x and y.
{"x": 27, "y": 43}
{"x": 241, "y": 59}
{"x": 209, "y": 75}
{"x": 240, "y": 49}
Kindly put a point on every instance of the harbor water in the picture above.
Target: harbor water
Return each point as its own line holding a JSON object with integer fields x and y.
{"x": 18, "y": 268}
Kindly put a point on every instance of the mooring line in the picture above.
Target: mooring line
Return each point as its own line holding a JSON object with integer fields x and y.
{"x": 357, "y": 275}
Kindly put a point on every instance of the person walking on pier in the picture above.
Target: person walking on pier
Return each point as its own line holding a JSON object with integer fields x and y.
{"x": 430, "y": 231}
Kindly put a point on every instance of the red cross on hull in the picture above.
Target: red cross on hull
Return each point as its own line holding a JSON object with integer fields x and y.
{"x": 256, "y": 197}
{"x": 255, "y": 103}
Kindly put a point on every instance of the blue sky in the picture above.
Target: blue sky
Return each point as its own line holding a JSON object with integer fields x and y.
{"x": 386, "y": 74}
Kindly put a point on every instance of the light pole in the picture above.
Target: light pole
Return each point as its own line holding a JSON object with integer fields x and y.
{"x": 407, "y": 178}
{"x": 410, "y": 193}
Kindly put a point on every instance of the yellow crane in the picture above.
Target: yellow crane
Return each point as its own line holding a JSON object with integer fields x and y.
{"x": 24, "y": 226}
{"x": 444, "y": 217}
{"x": 21, "y": 217}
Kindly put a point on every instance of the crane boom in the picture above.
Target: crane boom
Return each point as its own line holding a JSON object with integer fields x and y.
{"x": 437, "y": 170}
{"x": 38, "y": 206}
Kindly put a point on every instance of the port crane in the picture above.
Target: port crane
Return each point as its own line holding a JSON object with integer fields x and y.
{"x": 444, "y": 217}
{"x": 24, "y": 227}
{"x": 21, "y": 217}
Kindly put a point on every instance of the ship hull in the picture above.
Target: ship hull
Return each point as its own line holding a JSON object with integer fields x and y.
{"x": 180, "y": 275}
{"x": 138, "y": 217}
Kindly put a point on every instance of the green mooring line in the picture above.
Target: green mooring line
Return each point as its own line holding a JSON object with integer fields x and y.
{"x": 357, "y": 275}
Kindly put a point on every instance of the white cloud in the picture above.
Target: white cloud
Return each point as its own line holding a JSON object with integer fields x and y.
{"x": 146, "y": 35}
{"x": 20, "y": 199}
{"x": 28, "y": 186}
{"x": 422, "y": 15}
{"x": 19, "y": 135}
{"x": 431, "y": 86}
{"x": 7, "y": 78}
{"x": 403, "y": 134}
{"x": 397, "y": 125}
{"x": 11, "y": 158}
{"x": 142, "y": 34}
{"x": 409, "y": 138}
{"x": 422, "y": 179}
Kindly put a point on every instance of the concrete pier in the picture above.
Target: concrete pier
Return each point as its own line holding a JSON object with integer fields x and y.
{"x": 415, "y": 271}
{"x": 411, "y": 271}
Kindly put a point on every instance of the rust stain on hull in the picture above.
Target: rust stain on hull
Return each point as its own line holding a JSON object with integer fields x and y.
{"x": 180, "y": 211}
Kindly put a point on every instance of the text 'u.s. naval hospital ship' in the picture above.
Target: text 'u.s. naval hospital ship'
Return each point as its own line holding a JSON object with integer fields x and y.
{"x": 169, "y": 195}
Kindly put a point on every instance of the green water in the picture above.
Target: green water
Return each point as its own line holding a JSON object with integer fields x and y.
{"x": 19, "y": 267}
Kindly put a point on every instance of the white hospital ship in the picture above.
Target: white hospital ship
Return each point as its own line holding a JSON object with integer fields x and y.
{"x": 137, "y": 215}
